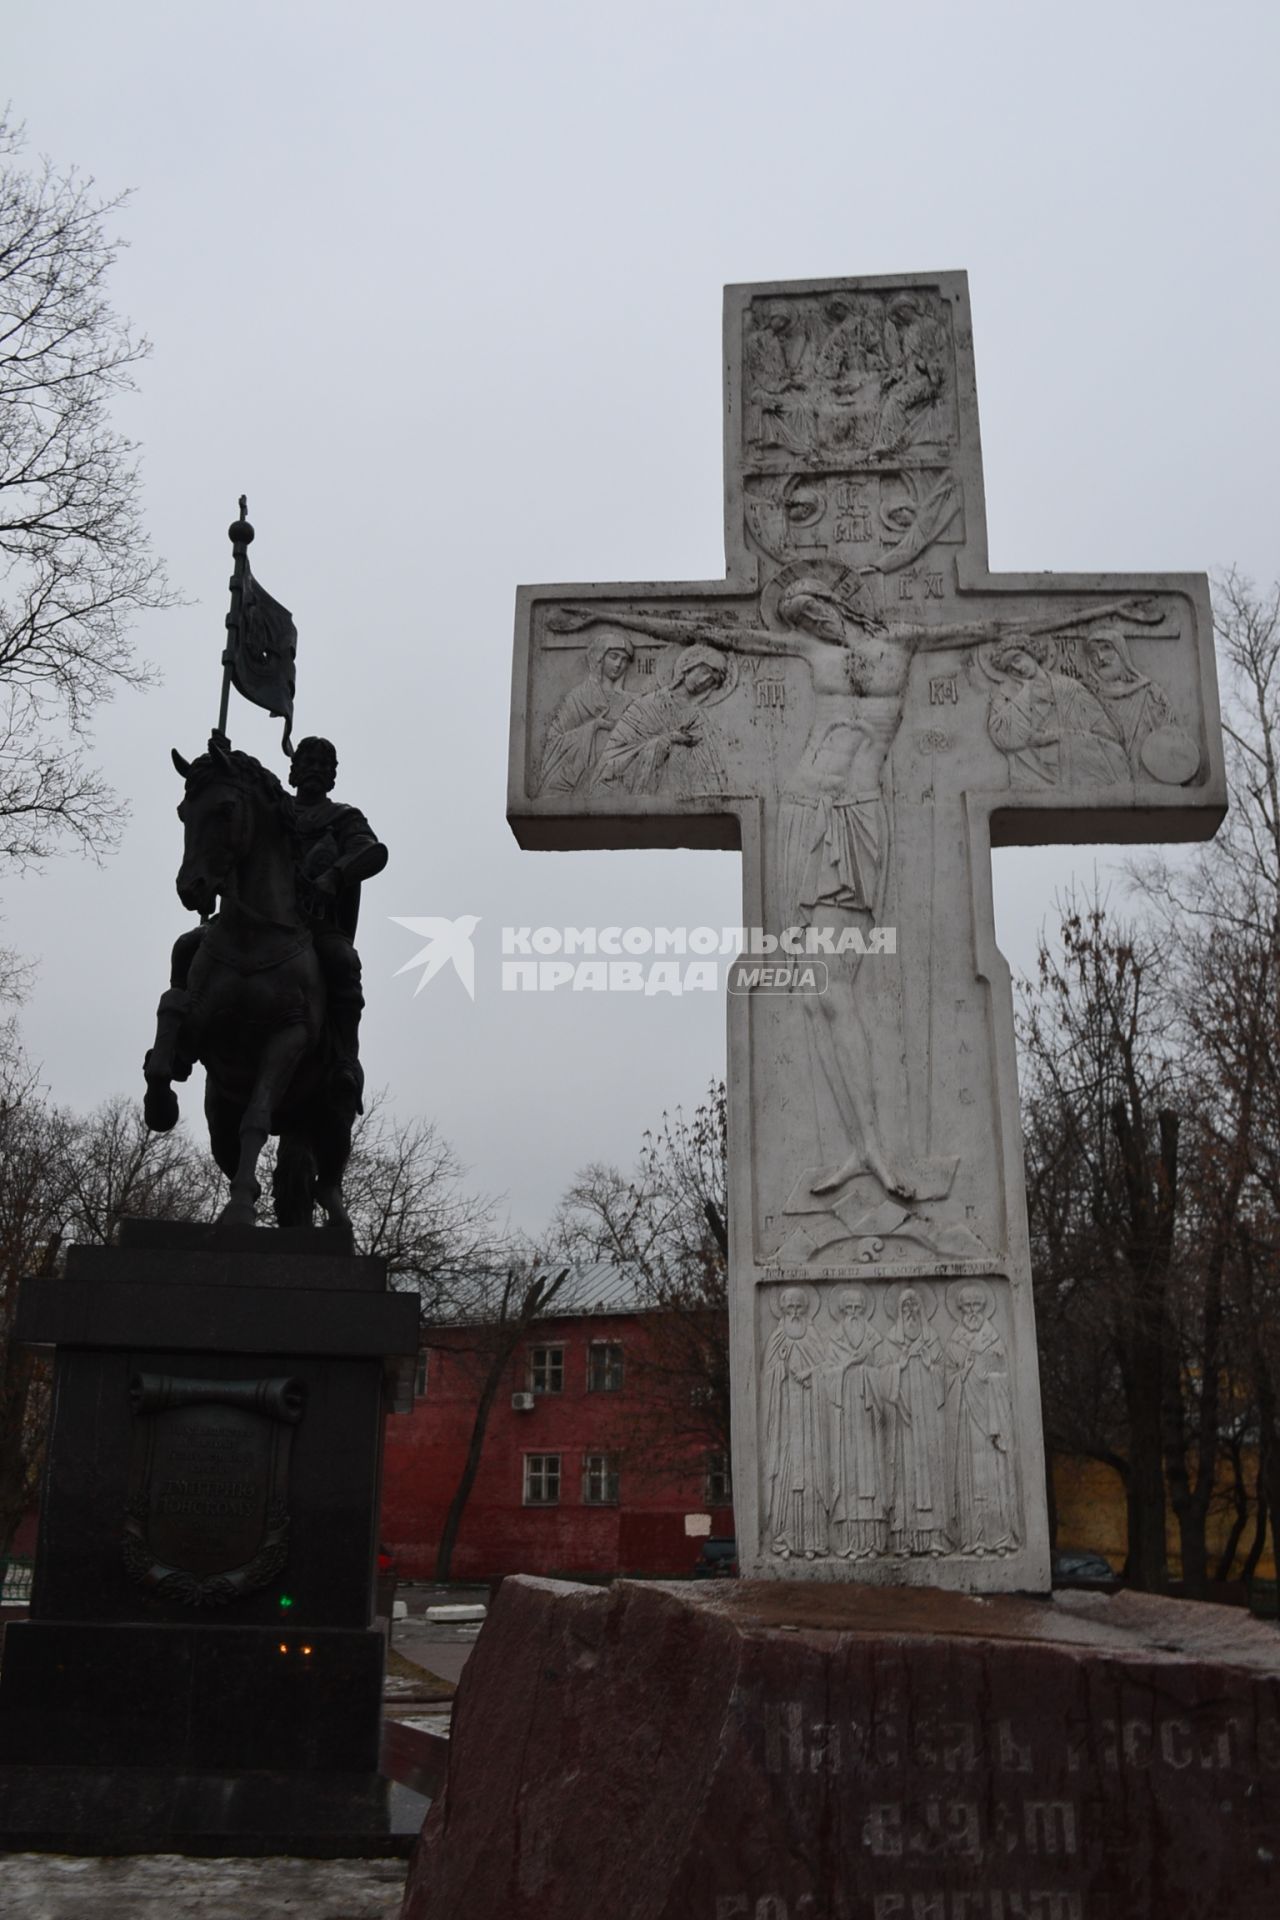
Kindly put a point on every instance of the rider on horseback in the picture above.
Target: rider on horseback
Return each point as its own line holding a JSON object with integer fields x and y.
{"x": 337, "y": 849}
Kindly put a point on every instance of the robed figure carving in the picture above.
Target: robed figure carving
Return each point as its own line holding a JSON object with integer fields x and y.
{"x": 984, "y": 1515}
{"x": 915, "y": 1395}
{"x": 796, "y": 1427}
{"x": 859, "y": 1469}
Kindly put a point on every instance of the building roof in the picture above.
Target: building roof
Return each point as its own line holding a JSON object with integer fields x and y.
{"x": 600, "y": 1288}
{"x": 596, "y": 1289}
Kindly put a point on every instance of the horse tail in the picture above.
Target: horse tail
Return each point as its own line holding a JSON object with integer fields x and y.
{"x": 293, "y": 1181}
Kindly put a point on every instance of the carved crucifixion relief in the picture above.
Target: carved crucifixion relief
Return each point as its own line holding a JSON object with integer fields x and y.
{"x": 864, "y": 709}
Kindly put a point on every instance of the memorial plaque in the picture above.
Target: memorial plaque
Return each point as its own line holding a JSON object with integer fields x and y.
{"x": 207, "y": 1517}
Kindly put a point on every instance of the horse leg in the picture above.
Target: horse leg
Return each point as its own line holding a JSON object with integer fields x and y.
{"x": 293, "y": 1184}
{"x": 167, "y": 1060}
{"x": 279, "y": 1059}
{"x": 331, "y": 1143}
{"x": 160, "y": 1102}
{"x": 222, "y": 1114}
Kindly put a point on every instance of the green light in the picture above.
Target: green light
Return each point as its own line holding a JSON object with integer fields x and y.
{"x": 286, "y": 1600}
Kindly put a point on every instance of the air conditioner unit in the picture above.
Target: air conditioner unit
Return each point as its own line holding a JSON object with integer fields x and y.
{"x": 522, "y": 1402}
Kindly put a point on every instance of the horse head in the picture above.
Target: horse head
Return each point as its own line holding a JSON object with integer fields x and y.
{"x": 229, "y": 799}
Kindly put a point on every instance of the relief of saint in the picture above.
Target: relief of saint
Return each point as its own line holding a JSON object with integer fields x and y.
{"x": 983, "y": 1503}
{"x": 781, "y": 414}
{"x": 849, "y": 364}
{"x": 796, "y": 1428}
{"x": 859, "y": 1510}
{"x": 663, "y": 742}
{"x": 587, "y": 715}
{"x": 1052, "y": 729}
{"x": 855, "y": 345}
{"x": 917, "y": 347}
{"x": 915, "y": 1395}
{"x": 1157, "y": 745}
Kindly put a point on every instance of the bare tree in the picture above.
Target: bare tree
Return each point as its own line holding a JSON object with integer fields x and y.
{"x": 1221, "y": 907}
{"x": 668, "y": 1222}
{"x": 1102, "y": 1188}
{"x": 515, "y": 1304}
{"x": 31, "y": 1210}
{"x": 111, "y": 1167}
{"x": 74, "y": 562}
{"x": 1153, "y": 1154}
{"x": 406, "y": 1192}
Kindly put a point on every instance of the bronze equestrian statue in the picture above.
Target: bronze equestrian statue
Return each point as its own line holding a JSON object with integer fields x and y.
{"x": 266, "y": 994}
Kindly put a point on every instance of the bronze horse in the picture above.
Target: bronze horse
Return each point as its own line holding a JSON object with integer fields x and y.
{"x": 252, "y": 1009}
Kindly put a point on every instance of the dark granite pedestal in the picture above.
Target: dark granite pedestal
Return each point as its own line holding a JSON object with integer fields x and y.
{"x": 201, "y": 1671}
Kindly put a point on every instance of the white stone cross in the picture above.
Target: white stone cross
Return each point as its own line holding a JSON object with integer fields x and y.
{"x": 865, "y": 710}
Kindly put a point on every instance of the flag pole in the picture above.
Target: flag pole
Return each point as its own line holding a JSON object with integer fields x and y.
{"x": 240, "y": 533}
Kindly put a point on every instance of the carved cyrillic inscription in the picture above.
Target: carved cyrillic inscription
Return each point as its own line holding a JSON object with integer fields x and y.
{"x": 996, "y": 1903}
{"x": 888, "y": 1423}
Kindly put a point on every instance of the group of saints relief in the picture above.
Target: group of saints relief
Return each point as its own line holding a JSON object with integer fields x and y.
{"x": 891, "y": 1438}
{"x": 850, "y": 374}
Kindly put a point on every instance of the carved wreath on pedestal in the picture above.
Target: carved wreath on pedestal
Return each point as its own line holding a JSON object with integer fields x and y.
{"x": 207, "y": 1519}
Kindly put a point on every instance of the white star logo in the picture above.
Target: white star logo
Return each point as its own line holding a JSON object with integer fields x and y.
{"x": 447, "y": 940}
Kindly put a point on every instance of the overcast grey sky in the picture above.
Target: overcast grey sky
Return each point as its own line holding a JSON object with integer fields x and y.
{"x": 440, "y": 288}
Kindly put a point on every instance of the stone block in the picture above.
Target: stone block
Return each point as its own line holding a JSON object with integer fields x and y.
{"x": 792, "y": 1751}
{"x": 201, "y": 1640}
{"x": 191, "y": 1697}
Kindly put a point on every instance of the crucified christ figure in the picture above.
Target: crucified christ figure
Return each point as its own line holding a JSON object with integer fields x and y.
{"x": 834, "y": 831}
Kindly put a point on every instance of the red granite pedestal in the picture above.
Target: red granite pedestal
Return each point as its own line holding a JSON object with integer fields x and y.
{"x": 786, "y": 1751}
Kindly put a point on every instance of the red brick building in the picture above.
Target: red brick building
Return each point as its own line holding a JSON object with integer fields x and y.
{"x": 594, "y": 1460}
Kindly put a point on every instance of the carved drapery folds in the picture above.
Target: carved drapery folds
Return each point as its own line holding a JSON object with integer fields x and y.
{"x": 888, "y": 1421}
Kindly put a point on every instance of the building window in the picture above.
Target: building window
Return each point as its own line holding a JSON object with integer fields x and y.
{"x": 604, "y": 1367}
{"x": 546, "y": 1369}
{"x": 599, "y": 1480}
{"x": 719, "y": 1485}
{"x": 420, "y": 1374}
{"x": 542, "y": 1479}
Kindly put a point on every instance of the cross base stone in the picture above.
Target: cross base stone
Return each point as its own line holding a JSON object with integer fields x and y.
{"x": 775, "y": 1750}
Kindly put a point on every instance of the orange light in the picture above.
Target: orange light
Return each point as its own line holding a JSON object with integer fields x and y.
{"x": 283, "y": 1647}
{"x": 306, "y": 1649}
